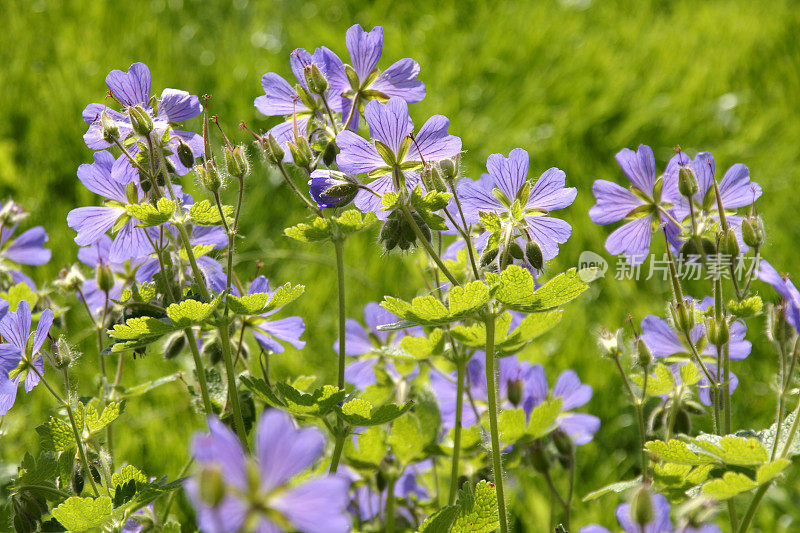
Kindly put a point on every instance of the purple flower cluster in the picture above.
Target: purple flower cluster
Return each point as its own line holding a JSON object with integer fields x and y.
{"x": 237, "y": 492}
{"x": 25, "y": 249}
{"x": 661, "y": 522}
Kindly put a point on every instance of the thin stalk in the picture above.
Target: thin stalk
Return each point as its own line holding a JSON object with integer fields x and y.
{"x": 470, "y": 248}
{"x": 311, "y": 205}
{"x": 174, "y": 492}
{"x": 338, "y": 246}
{"x": 390, "y": 504}
{"x": 337, "y": 451}
{"x": 427, "y": 245}
{"x": 726, "y": 362}
{"x": 639, "y": 416}
{"x": 491, "y": 387}
{"x": 457, "y": 431}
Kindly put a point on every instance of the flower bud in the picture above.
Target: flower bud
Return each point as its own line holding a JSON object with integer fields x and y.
{"x": 533, "y": 252}
{"x": 329, "y": 155}
{"x": 140, "y": 120}
{"x": 717, "y": 331}
{"x": 730, "y": 244}
{"x": 77, "y": 481}
{"x": 71, "y": 279}
{"x": 449, "y": 169}
{"x": 331, "y": 188}
{"x": 212, "y": 351}
{"x": 488, "y": 257}
{"x": 432, "y": 179}
{"x": 515, "y": 250}
{"x": 209, "y": 176}
{"x": 131, "y": 193}
{"x": 301, "y": 152}
{"x": 538, "y": 455}
{"x": 185, "y": 154}
{"x": 62, "y": 355}
{"x": 687, "y": 182}
{"x": 274, "y": 151}
{"x": 611, "y": 343}
{"x": 105, "y": 278}
{"x": 352, "y": 77}
{"x": 563, "y": 442}
{"x": 643, "y": 355}
{"x": 514, "y": 391}
{"x": 175, "y": 345}
{"x": 316, "y": 82}
{"x": 109, "y": 127}
{"x": 212, "y": 487}
{"x": 642, "y": 506}
{"x": 753, "y": 231}
{"x": 683, "y": 314}
{"x": 236, "y": 162}
{"x": 683, "y": 422}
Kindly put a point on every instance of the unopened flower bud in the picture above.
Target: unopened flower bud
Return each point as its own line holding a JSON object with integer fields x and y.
{"x": 109, "y": 127}
{"x": 105, "y": 278}
{"x": 62, "y": 355}
{"x": 731, "y": 244}
{"x": 515, "y": 250}
{"x": 753, "y": 231}
{"x": 533, "y": 253}
{"x": 643, "y": 355}
{"x": 316, "y": 82}
{"x": 514, "y": 391}
{"x": 131, "y": 193}
{"x": 329, "y": 155}
{"x": 301, "y": 152}
{"x": 449, "y": 169}
{"x": 717, "y": 331}
{"x": 642, "y": 506}
{"x": 212, "y": 487}
{"x": 212, "y": 351}
{"x": 209, "y": 175}
{"x": 175, "y": 345}
{"x": 683, "y": 314}
{"x": 538, "y": 455}
{"x": 140, "y": 120}
{"x": 273, "y": 150}
{"x": 352, "y": 77}
{"x": 432, "y": 179}
{"x": 488, "y": 257}
{"x": 687, "y": 182}
{"x": 77, "y": 482}
{"x": 185, "y": 154}
{"x": 331, "y": 189}
{"x": 236, "y": 162}
{"x": 563, "y": 442}
{"x": 611, "y": 343}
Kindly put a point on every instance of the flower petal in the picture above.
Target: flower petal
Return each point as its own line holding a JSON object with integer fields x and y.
{"x": 365, "y": 48}
{"x": 280, "y": 98}
{"x": 28, "y": 248}
{"x": 357, "y": 155}
{"x": 220, "y": 447}
{"x": 8, "y": 394}
{"x": 400, "y": 81}
{"x": 614, "y": 202}
{"x": 97, "y": 177}
{"x": 548, "y": 233}
{"x": 433, "y": 143}
{"x": 659, "y": 336}
{"x": 282, "y": 450}
{"x": 42, "y": 329}
{"x": 639, "y": 167}
{"x": 632, "y": 239}
{"x": 317, "y": 506}
{"x": 16, "y": 326}
{"x": 736, "y": 189}
{"x": 131, "y": 87}
{"x": 388, "y": 123}
{"x": 573, "y": 393}
{"x": 550, "y": 191}
{"x": 176, "y": 105}
{"x": 509, "y": 173}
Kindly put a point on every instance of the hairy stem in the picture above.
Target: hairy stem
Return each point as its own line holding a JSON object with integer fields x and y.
{"x": 427, "y": 245}
{"x": 338, "y": 246}
{"x": 457, "y": 431}
{"x": 491, "y": 388}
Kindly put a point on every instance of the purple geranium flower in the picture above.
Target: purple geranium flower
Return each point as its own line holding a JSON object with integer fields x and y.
{"x": 736, "y": 190}
{"x": 268, "y": 501}
{"x": 499, "y": 190}
{"x": 661, "y": 522}
{"x": 132, "y": 88}
{"x": 322, "y": 180}
{"x": 786, "y": 289}
{"x": 26, "y": 249}
{"x": 365, "y": 342}
{"x": 637, "y": 205}
{"x": 365, "y": 48}
{"x": 369, "y": 503}
{"x": 532, "y": 382}
{"x": 107, "y": 177}
{"x": 18, "y": 359}
{"x": 268, "y": 332}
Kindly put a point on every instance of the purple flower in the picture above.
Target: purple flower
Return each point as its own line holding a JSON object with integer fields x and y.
{"x": 365, "y": 48}
{"x": 530, "y": 380}
{"x": 107, "y": 177}
{"x": 322, "y": 180}
{"x": 18, "y": 359}
{"x": 661, "y": 522}
{"x": 736, "y": 190}
{"x": 392, "y": 145}
{"x": 369, "y": 503}
{"x": 365, "y": 342}
{"x": 132, "y": 88}
{"x": 664, "y": 341}
{"x": 637, "y": 205}
{"x": 258, "y": 489}
{"x": 504, "y": 186}
{"x": 786, "y": 289}
{"x": 268, "y": 332}
{"x": 98, "y": 255}
{"x": 26, "y": 249}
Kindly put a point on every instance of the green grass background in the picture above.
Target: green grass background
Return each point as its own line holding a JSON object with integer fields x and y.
{"x": 571, "y": 81}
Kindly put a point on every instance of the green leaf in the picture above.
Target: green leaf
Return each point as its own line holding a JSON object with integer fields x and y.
{"x": 152, "y": 215}
{"x": 143, "y": 327}
{"x": 318, "y": 403}
{"x": 56, "y": 435}
{"x": 370, "y": 447}
{"x": 352, "y": 221}
{"x": 41, "y": 471}
{"x": 477, "y": 509}
{"x": 689, "y": 374}
{"x": 198, "y": 251}
{"x": 749, "y": 307}
{"x": 512, "y": 426}
{"x": 204, "y": 213}
{"x": 508, "y": 342}
{"x": 463, "y": 302}
{"x": 424, "y": 347}
{"x": 95, "y": 422}
{"x": 733, "y": 450}
{"x": 17, "y": 293}
{"x": 769, "y": 471}
{"x": 128, "y": 473}
{"x": 81, "y": 514}
{"x": 728, "y": 486}
{"x": 358, "y": 412}
{"x": 516, "y": 289}
{"x": 676, "y": 451}
{"x": 318, "y": 230}
{"x": 440, "y": 521}
{"x": 619, "y": 486}
{"x": 260, "y": 388}
{"x": 661, "y": 382}
{"x": 191, "y": 312}
{"x": 544, "y": 417}
{"x": 491, "y": 221}
{"x": 406, "y": 439}
{"x": 389, "y": 200}
{"x": 427, "y": 205}
{"x": 767, "y": 437}
{"x": 262, "y": 302}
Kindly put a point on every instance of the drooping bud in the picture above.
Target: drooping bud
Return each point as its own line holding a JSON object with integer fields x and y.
{"x": 274, "y": 151}
{"x": 432, "y": 179}
{"x": 208, "y": 175}
{"x": 753, "y": 231}
{"x": 105, "y": 278}
{"x": 533, "y": 252}
{"x": 687, "y": 182}
{"x": 236, "y": 162}
{"x": 77, "y": 481}
{"x": 643, "y": 355}
{"x": 212, "y": 351}
{"x": 488, "y": 256}
{"x": 185, "y": 154}
{"x": 563, "y": 442}
{"x": 109, "y": 127}
{"x": 514, "y": 388}
{"x": 212, "y": 486}
{"x": 131, "y": 193}
{"x": 316, "y": 82}
{"x": 329, "y": 155}
{"x": 642, "y": 506}
{"x": 329, "y": 188}
{"x": 140, "y": 120}
{"x": 515, "y": 250}
{"x": 730, "y": 244}
{"x": 175, "y": 345}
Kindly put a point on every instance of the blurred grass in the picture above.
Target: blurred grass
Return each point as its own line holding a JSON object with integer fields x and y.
{"x": 571, "y": 81}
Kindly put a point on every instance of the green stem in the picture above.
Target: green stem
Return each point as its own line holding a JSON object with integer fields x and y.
{"x": 338, "y": 246}
{"x": 390, "y": 504}
{"x": 639, "y": 416}
{"x": 427, "y": 245}
{"x": 175, "y": 492}
{"x": 457, "y": 431}
{"x": 751, "y": 509}
{"x": 491, "y": 388}
{"x": 337, "y": 451}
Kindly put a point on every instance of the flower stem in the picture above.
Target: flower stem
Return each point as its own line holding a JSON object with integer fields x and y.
{"x": 457, "y": 431}
{"x": 427, "y": 245}
{"x": 491, "y": 388}
{"x": 639, "y": 416}
{"x": 337, "y": 451}
{"x": 338, "y": 246}
{"x": 390, "y": 504}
